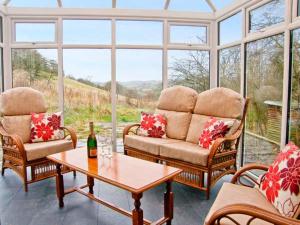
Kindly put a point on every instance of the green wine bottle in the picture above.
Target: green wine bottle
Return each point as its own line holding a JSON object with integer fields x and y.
{"x": 92, "y": 143}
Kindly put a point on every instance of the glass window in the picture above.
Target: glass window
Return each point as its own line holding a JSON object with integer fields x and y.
{"x": 33, "y": 3}
{"x": 267, "y": 15}
{"x": 189, "y": 68}
{"x": 87, "y": 81}
{"x": 230, "y": 68}
{"x": 139, "y": 83}
{"x": 264, "y": 83}
{"x": 189, "y": 5}
{"x": 221, "y": 4}
{"x": 294, "y": 112}
{"x": 87, "y": 3}
{"x": 35, "y": 32}
{"x": 298, "y": 8}
{"x": 37, "y": 68}
{"x": 141, "y": 4}
{"x": 184, "y": 34}
{"x": 139, "y": 32}
{"x": 87, "y": 32}
{"x": 230, "y": 29}
{"x": 1, "y": 71}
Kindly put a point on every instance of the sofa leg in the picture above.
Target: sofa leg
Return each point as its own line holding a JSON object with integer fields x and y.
{"x": 25, "y": 184}
{"x": 208, "y": 184}
{"x": 74, "y": 173}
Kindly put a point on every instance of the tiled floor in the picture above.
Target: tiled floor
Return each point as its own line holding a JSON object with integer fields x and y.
{"x": 39, "y": 206}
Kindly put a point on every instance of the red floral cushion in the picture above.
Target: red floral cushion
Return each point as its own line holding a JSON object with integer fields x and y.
{"x": 152, "y": 125}
{"x": 45, "y": 127}
{"x": 281, "y": 184}
{"x": 214, "y": 129}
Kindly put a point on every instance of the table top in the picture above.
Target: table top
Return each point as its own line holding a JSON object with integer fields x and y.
{"x": 132, "y": 174}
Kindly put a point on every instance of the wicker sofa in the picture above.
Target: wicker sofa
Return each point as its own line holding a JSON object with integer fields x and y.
{"x": 186, "y": 112}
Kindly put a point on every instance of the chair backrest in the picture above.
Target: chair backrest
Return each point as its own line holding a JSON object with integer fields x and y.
{"x": 16, "y": 106}
{"x": 177, "y": 104}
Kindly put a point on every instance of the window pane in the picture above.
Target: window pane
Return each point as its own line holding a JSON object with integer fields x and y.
{"x": 87, "y": 90}
{"x": 37, "y": 68}
{"x": 221, "y": 4}
{"x": 189, "y": 68}
{"x": 294, "y": 114}
{"x": 267, "y": 15}
{"x": 33, "y": 3}
{"x": 139, "y": 32}
{"x": 139, "y": 83}
{"x": 87, "y": 3}
{"x": 189, "y": 5}
{"x": 35, "y": 32}
{"x": 1, "y": 71}
{"x": 264, "y": 83}
{"x": 230, "y": 68}
{"x": 188, "y": 34}
{"x": 87, "y": 31}
{"x": 141, "y": 4}
{"x": 230, "y": 29}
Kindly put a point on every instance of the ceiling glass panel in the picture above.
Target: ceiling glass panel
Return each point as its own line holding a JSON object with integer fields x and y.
{"x": 189, "y": 5}
{"x": 33, "y": 3}
{"x": 141, "y": 4}
{"x": 219, "y": 4}
{"x": 87, "y": 3}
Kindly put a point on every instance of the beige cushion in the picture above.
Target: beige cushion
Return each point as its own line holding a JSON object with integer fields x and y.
{"x": 220, "y": 102}
{"x": 42, "y": 149}
{"x": 19, "y": 125}
{"x": 177, "y": 123}
{"x": 147, "y": 144}
{"x": 185, "y": 151}
{"x": 22, "y": 101}
{"x": 237, "y": 194}
{"x": 177, "y": 98}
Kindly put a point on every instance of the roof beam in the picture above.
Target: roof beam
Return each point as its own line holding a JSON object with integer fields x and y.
{"x": 59, "y": 3}
{"x": 167, "y": 3}
{"x": 114, "y": 3}
{"x": 211, "y": 5}
{"x": 5, "y": 2}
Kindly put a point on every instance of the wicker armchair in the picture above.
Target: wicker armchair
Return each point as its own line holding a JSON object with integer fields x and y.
{"x": 16, "y": 106}
{"x": 239, "y": 203}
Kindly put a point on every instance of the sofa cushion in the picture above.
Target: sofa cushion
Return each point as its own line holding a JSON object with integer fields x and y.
{"x": 147, "y": 144}
{"x": 220, "y": 102}
{"x": 177, "y": 123}
{"x": 185, "y": 151}
{"x": 22, "y": 101}
{"x": 177, "y": 98}
{"x": 42, "y": 149}
{"x": 19, "y": 125}
{"x": 237, "y": 194}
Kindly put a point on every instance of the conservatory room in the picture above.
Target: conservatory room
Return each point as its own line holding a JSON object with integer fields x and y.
{"x": 119, "y": 112}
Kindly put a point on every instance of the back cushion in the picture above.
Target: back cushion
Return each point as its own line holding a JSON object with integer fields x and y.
{"x": 177, "y": 123}
{"x": 177, "y": 98}
{"x": 19, "y": 125}
{"x": 220, "y": 102}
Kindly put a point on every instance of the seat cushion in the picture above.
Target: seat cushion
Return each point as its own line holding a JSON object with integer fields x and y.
{"x": 22, "y": 101}
{"x": 177, "y": 123}
{"x": 42, "y": 149}
{"x": 19, "y": 125}
{"x": 177, "y": 98}
{"x": 147, "y": 144}
{"x": 237, "y": 194}
{"x": 185, "y": 151}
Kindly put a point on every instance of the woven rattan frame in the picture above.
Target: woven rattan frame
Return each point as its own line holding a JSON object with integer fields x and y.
{"x": 221, "y": 161}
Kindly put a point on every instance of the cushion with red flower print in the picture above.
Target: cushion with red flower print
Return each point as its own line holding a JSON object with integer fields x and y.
{"x": 45, "y": 127}
{"x": 281, "y": 184}
{"x": 213, "y": 129}
{"x": 152, "y": 125}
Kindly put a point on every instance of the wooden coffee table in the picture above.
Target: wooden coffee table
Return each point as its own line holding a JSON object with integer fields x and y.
{"x": 131, "y": 174}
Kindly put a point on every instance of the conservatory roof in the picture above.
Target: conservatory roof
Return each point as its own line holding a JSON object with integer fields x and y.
{"x": 174, "y": 5}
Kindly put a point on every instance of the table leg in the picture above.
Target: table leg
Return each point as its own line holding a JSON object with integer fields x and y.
{"x": 60, "y": 186}
{"x": 168, "y": 202}
{"x": 90, "y": 182}
{"x": 137, "y": 212}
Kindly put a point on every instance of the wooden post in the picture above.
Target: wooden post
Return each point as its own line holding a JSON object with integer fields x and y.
{"x": 137, "y": 212}
{"x": 59, "y": 186}
{"x": 90, "y": 182}
{"x": 168, "y": 202}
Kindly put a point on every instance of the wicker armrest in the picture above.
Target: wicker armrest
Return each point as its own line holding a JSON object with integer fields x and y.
{"x": 253, "y": 212}
{"x": 128, "y": 128}
{"x": 70, "y": 132}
